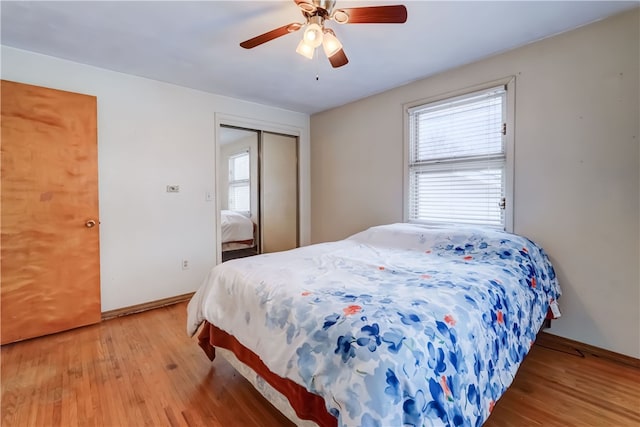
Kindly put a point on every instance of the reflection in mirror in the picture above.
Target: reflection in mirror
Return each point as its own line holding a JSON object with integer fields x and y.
{"x": 238, "y": 191}
{"x": 239, "y": 187}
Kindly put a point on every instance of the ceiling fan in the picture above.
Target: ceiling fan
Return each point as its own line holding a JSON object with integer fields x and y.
{"x": 316, "y": 12}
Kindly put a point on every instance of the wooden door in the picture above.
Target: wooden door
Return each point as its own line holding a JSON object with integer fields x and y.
{"x": 50, "y": 272}
{"x": 278, "y": 192}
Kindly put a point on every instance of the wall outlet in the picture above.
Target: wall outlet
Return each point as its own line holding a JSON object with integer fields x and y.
{"x": 185, "y": 264}
{"x": 173, "y": 188}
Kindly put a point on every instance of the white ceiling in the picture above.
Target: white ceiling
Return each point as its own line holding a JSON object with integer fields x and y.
{"x": 195, "y": 44}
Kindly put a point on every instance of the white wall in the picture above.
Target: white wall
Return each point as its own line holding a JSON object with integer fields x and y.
{"x": 576, "y": 167}
{"x": 151, "y": 134}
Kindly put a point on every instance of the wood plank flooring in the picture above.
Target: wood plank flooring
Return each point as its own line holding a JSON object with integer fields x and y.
{"x": 143, "y": 370}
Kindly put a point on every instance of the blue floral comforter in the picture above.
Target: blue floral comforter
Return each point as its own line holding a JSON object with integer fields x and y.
{"x": 400, "y": 325}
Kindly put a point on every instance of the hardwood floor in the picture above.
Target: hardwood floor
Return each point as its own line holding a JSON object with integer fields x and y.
{"x": 143, "y": 370}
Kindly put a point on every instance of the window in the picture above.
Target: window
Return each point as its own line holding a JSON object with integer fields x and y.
{"x": 239, "y": 184}
{"x": 458, "y": 167}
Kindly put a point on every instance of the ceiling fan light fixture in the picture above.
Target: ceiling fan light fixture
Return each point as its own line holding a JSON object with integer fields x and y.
{"x": 305, "y": 49}
{"x": 306, "y": 6}
{"x": 316, "y": 13}
{"x": 313, "y": 35}
{"x": 330, "y": 43}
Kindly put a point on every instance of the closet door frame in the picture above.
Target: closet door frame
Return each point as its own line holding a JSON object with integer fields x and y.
{"x": 222, "y": 119}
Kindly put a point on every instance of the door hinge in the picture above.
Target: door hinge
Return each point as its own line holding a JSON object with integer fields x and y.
{"x": 504, "y": 128}
{"x": 503, "y": 203}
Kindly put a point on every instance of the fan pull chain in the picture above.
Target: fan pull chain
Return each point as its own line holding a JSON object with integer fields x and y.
{"x": 317, "y": 59}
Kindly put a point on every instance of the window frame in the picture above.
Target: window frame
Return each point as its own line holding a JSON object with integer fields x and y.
{"x": 509, "y": 119}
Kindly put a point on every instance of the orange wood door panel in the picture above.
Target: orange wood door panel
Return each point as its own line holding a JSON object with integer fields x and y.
{"x": 50, "y": 271}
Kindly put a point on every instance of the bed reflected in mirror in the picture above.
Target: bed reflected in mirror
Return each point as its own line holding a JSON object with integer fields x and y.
{"x": 238, "y": 178}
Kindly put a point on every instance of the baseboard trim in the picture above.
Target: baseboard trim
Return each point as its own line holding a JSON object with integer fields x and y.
{"x": 565, "y": 344}
{"x": 111, "y": 314}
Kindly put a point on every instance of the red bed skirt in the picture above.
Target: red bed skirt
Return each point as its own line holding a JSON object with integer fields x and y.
{"x": 308, "y": 406}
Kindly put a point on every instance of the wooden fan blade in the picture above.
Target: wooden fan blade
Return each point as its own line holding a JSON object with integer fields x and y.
{"x": 338, "y": 59}
{"x": 268, "y": 36}
{"x": 377, "y": 14}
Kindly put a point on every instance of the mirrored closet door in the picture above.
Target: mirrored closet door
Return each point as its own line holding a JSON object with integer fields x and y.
{"x": 258, "y": 191}
{"x": 238, "y": 192}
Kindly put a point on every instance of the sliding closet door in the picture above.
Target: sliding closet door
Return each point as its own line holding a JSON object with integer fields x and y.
{"x": 279, "y": 192}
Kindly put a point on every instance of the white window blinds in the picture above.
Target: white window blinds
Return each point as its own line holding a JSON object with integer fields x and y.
{"x": 239, "y": 197}
{"x": 457, "y": 160}
{"x": 239, "y": 182}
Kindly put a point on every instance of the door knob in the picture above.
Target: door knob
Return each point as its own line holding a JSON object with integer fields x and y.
{"x": 90, "y": 223}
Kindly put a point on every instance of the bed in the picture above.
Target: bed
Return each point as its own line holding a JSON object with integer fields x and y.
{"x": 238, "y": 231}
{"x": 398, "y": 325}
